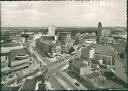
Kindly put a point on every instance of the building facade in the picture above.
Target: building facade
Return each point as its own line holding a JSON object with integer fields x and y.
{"x": 64, "y": 36}
{"x": 85, "y": 52}
{"x": 105, "y": 53}
{"x": 79, "y": 66}
{"x": 66, "y": 45}
{"x": 51, "y": 31}
{"x": 19, "y": 59}
{"x": 48, "y": 47}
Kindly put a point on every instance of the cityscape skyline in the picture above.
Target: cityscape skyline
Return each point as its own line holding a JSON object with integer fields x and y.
{"x": 63, "y": 14}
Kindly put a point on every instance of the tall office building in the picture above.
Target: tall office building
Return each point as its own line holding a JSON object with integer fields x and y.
{"x": 51, "y": 31}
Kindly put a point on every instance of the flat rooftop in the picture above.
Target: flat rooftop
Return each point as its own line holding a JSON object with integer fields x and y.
{"x": 49, "y": 42}
{"x": 18, "y": 52}
{"x": 68, "y": 41}
{"x": 105, "y": 50}
{"x": 79, "y": 62}
{"x": 64, "y": 32}
{"x": 10, "y": 44}
{"x": 28, "y": 85}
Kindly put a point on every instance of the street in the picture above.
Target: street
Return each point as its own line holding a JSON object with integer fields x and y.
{"x": 58, "y": 79}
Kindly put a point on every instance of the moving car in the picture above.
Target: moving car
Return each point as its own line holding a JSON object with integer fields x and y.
{"x": 48, "y": 75}
{"x": 77, "y": 84}
{"x": 54, "y": 74}
{"x": 69, "y": 89}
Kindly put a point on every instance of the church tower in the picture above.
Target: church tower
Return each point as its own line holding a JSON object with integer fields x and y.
{"x": 98, "y": 33}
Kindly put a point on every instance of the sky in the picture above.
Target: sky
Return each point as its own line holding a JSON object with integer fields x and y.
{"x": 65, "y": 14}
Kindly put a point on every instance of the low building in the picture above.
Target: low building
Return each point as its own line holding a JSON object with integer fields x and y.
{"x": 34, "y": 83}
{"x": 94, "y": 79}
{"x": 121, "y": 68}
{"x": 110, "y": 40}
{"x": 27, "y": 35}
{"x": 6, "y": 35}
{"x": 66, "y": 45}
{"x": 47, "y": 37}
{"x": 19, "y": 59}
{"x": 7, "y": 47}
{"x": 5, "y": 71}
{"x": 90, "y": 41}
{"x": 49, "y": 47}
{"x": 85, "y": 52}
{"x": 95, "y": 66}
{"x": 88, "y": 51}
{"x": 105, "y": 53}
{"x": 106, "y": 32}
{"x": 80, "y": 66}
{"x": 22, "y": 40}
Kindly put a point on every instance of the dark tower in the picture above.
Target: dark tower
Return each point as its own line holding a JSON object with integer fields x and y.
{"x": 98, "y": 33}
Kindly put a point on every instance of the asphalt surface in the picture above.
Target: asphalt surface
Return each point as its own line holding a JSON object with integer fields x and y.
{"x": 53, "y": 68}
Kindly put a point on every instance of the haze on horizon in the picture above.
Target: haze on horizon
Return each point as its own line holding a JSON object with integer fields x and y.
{"x": 64, "y": 14}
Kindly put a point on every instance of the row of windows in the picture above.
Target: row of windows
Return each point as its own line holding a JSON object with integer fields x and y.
{"x": 19, "y": 66}
{"x": 19, "y": 63}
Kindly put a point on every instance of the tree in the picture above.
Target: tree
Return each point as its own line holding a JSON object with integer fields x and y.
{"x": 122, "y": 55}
{"x": 71, "y": 49}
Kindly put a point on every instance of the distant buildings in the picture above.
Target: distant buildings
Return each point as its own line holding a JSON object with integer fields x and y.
{"x": 103, "y": 36}
{"x": 22, "y": 40}
{"x": 66, "y": 45}
{"x": 50, "y": 38}
{"x": 64, "y": 35}
{"x": 85, "y": 39}
{"x": 6, "y": 35}
{"x": 27, "y": 35}
{"x": 106, "y": 32}
{"x": 51, "y": 31}
{"x": 85, "y": 52}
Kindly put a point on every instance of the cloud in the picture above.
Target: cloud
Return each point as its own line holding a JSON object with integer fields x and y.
{"x": 39, "y": 13}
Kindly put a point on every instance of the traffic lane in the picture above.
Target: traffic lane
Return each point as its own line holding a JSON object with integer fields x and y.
{"x": 64, "y": 84}
{"x": 57, "y": 64}
{"x": 46, "y": 61}
{"x": 67, "y": 80}
{"x": 79, "y": 86}
{"x": 56, "y": 85}
{"x": 56, "y": 67}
